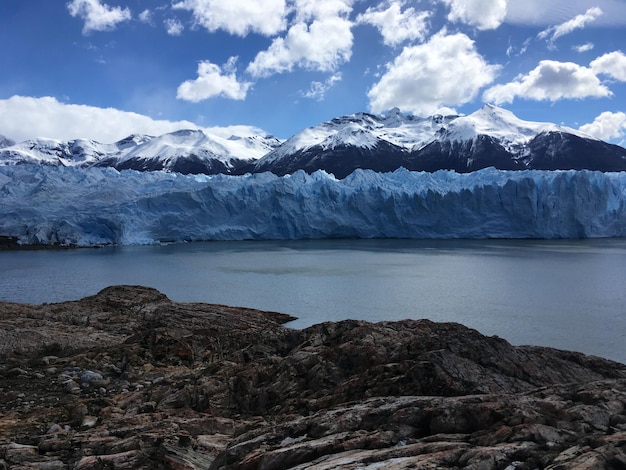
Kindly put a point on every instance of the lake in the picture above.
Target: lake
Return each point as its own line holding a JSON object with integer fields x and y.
{"x": 568, "y": 294}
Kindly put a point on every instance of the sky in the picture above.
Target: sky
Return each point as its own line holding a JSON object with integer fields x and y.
{"x": 104, "y": 69}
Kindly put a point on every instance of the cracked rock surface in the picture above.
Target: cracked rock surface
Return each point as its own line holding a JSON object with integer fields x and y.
{"x": 129, "y": 379}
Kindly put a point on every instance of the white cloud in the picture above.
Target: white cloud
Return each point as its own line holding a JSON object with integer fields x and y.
{"x": 238, "y": 17}
{"x": 213, "y": 81}
{"x": 445, "y": 71}
{"x": 322, "y": 45}
{"x": 612, "y": 64}
{"x": 97, "y": 16}
{"x": 584, "y": 47}
{"x": 482, "y": 14}
{"x": 146, "y": 17}
{"x": 607, "y": 126}
{"x": 173, "y": 26}
{"x": 513, "y": 50}
{"x": 308, "y": 10}
{"x": 550, "y": 81}
{"x": 318, "y": 90}
{"x": 578, "y": 22}
{"x": 395, "y": 25}
{"x": 545, "y": 13}
{"x": 24, "y": 117}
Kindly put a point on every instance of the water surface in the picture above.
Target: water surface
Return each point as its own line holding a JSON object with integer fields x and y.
{"x": 566, "y": 294}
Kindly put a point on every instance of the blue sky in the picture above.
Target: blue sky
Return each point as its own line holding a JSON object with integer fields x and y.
{"x": 103, "y": 69}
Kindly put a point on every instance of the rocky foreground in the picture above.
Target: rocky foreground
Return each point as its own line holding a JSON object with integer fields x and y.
{"x": 128, "y": 379}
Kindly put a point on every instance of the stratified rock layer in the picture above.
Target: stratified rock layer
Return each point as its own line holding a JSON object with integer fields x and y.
{"x": 129, "y": 379}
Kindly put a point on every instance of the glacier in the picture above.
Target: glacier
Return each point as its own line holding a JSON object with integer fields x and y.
{"x": 99, "y": 206}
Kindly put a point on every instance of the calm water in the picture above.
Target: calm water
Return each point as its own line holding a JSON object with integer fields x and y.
{"x": 565, "y": 294}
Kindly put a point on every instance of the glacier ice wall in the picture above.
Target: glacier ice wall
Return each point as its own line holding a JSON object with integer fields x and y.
{"x": 96, "y": 206}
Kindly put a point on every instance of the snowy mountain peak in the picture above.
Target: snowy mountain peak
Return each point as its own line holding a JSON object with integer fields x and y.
{"x": 5, "y": 141}
{"x": 500, "y": 124}
{"x": 491, "y": 136}
{"x": 413, "y": 133}
{"x": 394, "y": 118}
{"x": 132, "y": 141}
{"x": 185, "y": 150}
{"x": 208, "y": 152}
{"x": 188, "y": 133}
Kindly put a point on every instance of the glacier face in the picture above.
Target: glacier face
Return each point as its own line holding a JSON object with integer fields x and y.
{"x": 95, "y": 206}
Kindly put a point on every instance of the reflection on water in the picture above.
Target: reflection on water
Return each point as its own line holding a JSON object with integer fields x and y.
{"x": 567, "y": 294}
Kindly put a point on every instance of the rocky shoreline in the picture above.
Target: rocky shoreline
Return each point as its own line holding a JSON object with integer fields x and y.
{"x": 127, "y": 379}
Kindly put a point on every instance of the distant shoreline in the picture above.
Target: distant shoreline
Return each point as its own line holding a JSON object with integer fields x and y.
{"x": 10, "y": 243}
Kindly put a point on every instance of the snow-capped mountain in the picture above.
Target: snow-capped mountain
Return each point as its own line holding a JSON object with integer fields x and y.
{"x": 5, "y": 141}
{"x": 192, "y": 152}
{"x": 489, "y": 137}
{"x": 184, "y": 151}
{"x": 79, "y": 152}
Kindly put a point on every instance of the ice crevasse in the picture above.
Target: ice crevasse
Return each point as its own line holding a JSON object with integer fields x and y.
{"x": 99, "y": 206}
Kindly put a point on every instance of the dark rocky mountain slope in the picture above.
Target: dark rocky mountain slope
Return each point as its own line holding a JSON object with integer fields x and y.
{"x": 490, "y": 137}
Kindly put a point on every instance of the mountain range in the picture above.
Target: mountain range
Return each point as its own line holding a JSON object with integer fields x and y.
{"x": 489, "y": 137}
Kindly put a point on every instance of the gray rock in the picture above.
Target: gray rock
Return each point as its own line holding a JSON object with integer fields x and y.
{"x": 72, "y": 387}
{"x": 89, "y": 376}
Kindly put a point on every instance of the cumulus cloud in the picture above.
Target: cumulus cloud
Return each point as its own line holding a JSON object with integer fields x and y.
{"x": 612, "y": 64}
{"x": 24, "y": 117}
{"x": 98, "y": 16}
{"x": 578, "y": 22}
{"x": 173, "y": 26}
{"x": 607, "y": 126}
{"x": 550, "y": 81}
{"x": 319, "y": 39}
{"x": 318, "y": 90}
{"x": 396, "y": 26}
{"x": 214, "y": 81}
{"x": 238, "y": 17}
{"x": 309, "y": 10}
{"x": 445, "y": 71}
{"x": 482, "y": 14}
